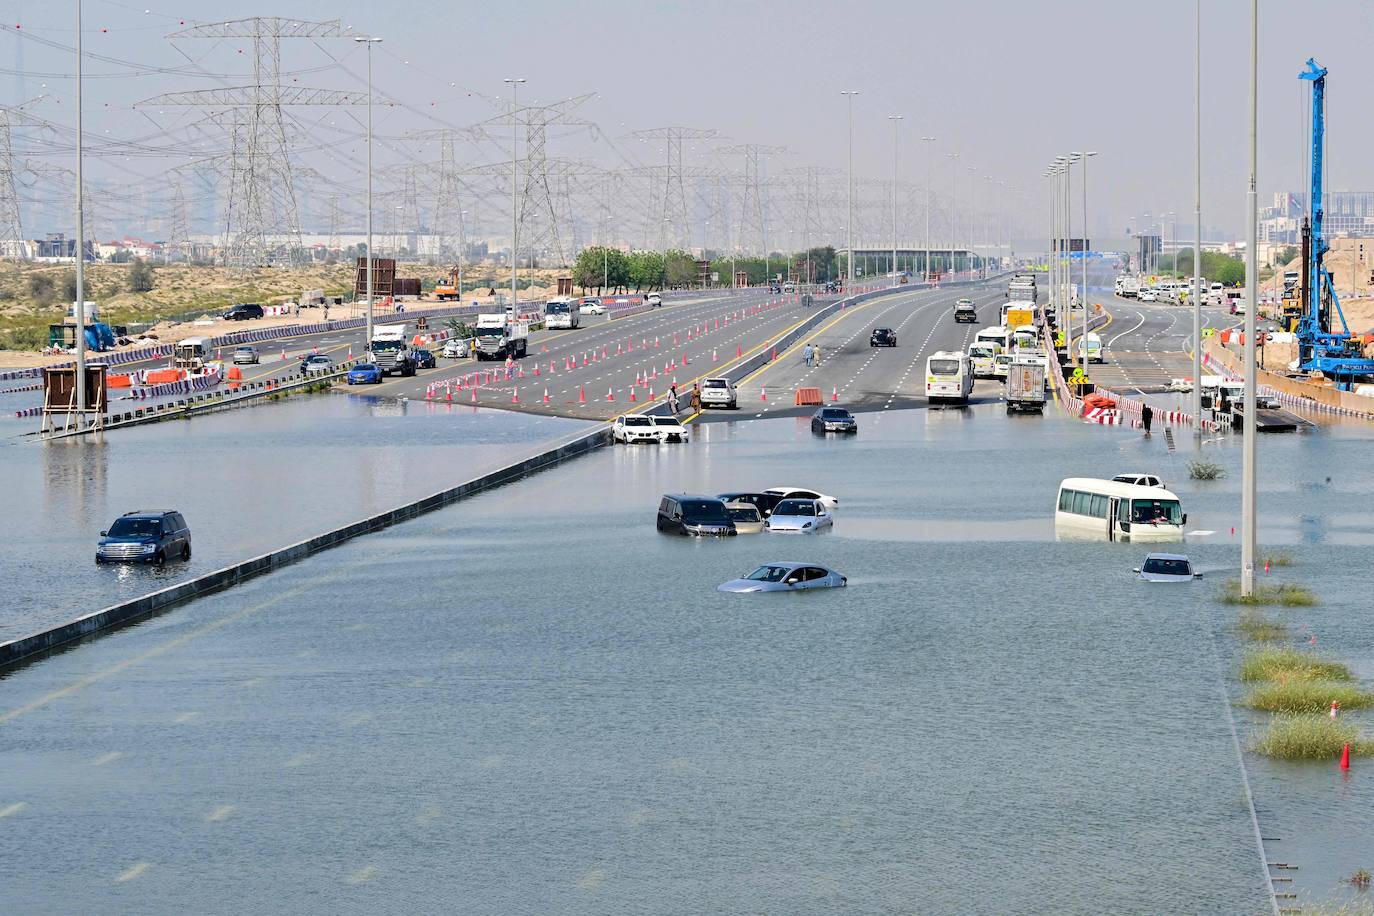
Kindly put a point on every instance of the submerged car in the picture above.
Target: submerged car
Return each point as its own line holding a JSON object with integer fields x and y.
{"x": 365, "y": 374}
{"x": 785, "y": 577}
{"x": 669, "y": 429}
{"x": 799, "y": 515}
{"x": 746, "y": 516}
{"x": 145, "y": 537}
{"x": 633, "y": 428}
{"x": 1167, "y": 567}
{"x": 833, "y": 420}
{"x": 800, "y": 493}
{"x": 694, "y": 516}
{"x": 1141, "y": 480}
{"x": 764, "y": 502}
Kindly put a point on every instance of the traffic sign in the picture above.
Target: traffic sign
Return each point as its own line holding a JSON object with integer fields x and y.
{"x": 1078, "y": 378}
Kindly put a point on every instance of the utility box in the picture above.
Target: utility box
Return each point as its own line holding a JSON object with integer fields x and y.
{"x": 565, "y": 286}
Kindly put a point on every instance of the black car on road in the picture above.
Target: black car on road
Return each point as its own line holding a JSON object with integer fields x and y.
{"x": 833, "y": 420}
{"x": 882, "y": 337}
{"x": 145, "y": 537}
{"x": 244, "y": 311}
{"x": 423, "y": 359}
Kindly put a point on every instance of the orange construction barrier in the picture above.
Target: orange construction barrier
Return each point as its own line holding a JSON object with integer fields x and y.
{"x": 808, "y": 397}
{"x": 235, "y": 373}
{"x": 162, "y": 376}
{"x": 119, "y": 381}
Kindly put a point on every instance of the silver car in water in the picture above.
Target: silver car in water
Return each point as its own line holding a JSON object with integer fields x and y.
{"x": 785, "y": 577}
{"x": 1167, "y": 567}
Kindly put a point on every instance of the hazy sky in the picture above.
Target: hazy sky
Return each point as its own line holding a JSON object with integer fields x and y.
{"x": 1008, "y": 85}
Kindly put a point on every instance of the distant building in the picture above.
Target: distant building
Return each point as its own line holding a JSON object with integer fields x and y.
{"x": 1345, "y": 214}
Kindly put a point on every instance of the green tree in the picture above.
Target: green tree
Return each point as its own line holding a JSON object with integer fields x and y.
{"x": 680, "y": 270}
{"x": 1284, "y": 255}
{"x": 645, "y": 271}
{"x": 140, "y": 276}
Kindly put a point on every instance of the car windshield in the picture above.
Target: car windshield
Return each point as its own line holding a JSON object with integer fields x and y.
{"x": 701, "y": 510}
{"x": 1156, "y": 511}
{"x": 795, "y": 507}
{"x": 665, "y": 421}
{"x": 386, "y": 346}
{"x": 980, "y": 352}
{"x": 835, "y": 413}
{"x": 245, "y": 349}
{"x": 556, "y": 308}
{"x": 637, "y": 421}
{"x": 769, "y": 574}
{"x": 365, "y": 367}
{"x": 1167, "y": 567}
{"x": 944, "y": 367}
{"x": 743, "y": 513}
{"x": 715, "y": 383}
{"x": 490, "y": 332}
{"x": 136, "y": 528}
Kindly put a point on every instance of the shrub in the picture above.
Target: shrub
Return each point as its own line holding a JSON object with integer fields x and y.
{"x": 1299, "y": 695}
{"x": 1285, "y": 594}
{"x": 1205, "y": 470}
{"x": 1254, "y": 628}
{"x": 42, "y": 288}
{"x": 1273, "y": 663}
{"x": 1307, "y": 736}
{"x": 1282, "y": 558}
{"x": 140, "y": 276}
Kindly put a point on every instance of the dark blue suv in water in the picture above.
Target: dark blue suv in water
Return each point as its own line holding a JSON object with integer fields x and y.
{"x": 145, "y": 537}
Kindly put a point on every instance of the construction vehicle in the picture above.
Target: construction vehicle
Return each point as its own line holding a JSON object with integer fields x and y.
{"x": 1321, "y": 348}
{"x": 449, "y": 289}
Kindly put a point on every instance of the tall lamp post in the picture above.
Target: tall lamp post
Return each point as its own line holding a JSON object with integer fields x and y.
{"x": 972, "y": 221}
{"x": 80, "y": 241}
{"x": 1248, "y": 493}
{"x": 928, "y": 199}
{"x": 849, "y": 219}
{"x": 514, "y": 83}
{"x": 1084, "y": 272}
{"x": 462, "y": 243}
{"x": 896, "y": 120}
{"x": 953, "y": 203}
{"x": 369, "y": 42}
{"x": 1197, "y": 238}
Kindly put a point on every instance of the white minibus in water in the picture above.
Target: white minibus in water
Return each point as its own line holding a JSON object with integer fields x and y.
{"x": 1092, "y": 509}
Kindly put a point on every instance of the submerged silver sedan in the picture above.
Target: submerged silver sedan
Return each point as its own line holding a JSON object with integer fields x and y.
{"x": 785, "y": 577}
{"x": 1167, "y": 567}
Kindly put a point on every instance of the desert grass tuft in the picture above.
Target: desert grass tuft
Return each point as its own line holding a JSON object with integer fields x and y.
{"x": 1274, "y": 663}
{"x": 1310, "y": 736}
{"x": 1298, "y": 695}
{"x": 1284, "y": 594}
{"x": 1254, "y": 627}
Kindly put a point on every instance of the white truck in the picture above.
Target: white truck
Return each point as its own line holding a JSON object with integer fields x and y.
{"x": 390, "y": 349}
{"x": 499, "y": 336}
{"x": 1026, "y": 384}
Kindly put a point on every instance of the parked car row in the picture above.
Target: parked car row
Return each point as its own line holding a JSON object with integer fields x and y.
{"x": 638, "y": 427}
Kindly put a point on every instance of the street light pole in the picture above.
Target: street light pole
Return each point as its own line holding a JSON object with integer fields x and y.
{"x": 80, "y": 241}
{"x": 1084, "y": 272}
{"x": 953, "y": 203}
{"x": 849, "y": 220}
{"x": 972, "y": 221}
{"x": 367, "y": 343}
{"x": 895, "y": 119}
{"x": 1248, "y": 490}
{"x": 514, "y": 185}
{"x": 462, "y": 243}
{"x": 928, "y": 202}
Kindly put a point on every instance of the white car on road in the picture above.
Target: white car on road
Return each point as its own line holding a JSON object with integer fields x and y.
{"x": 718, "y": 392}
{"x": 800, "y": 515}
{"x": 591, "y": 306}
{"x": 634, "y": 428}
{"x": 800, "y": 493}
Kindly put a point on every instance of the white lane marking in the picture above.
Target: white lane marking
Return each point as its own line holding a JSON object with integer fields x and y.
{"x": 301, "y": 758}
{"x": 111, "y": 757}
{"x": 132, "y": 872}
{"x": 1111, "y": 343}
{"x": 187, "y": 717}
{"x": 361, "y": 876}
{"x": 13, "y": 809}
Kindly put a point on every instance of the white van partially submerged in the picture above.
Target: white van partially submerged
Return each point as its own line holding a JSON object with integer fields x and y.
{"x": 1092, "y": 509}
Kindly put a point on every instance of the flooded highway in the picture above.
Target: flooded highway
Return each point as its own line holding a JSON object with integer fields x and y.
{"x": 532, "y": 701}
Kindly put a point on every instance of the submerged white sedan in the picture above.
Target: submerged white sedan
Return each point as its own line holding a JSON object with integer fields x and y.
{"x": 785, "y": 577}
{"x": 804, "y": 515}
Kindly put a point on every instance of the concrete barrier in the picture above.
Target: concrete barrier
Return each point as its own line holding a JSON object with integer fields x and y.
{"x": 116, "y": 615}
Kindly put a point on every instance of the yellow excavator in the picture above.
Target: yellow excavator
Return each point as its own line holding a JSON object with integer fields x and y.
{"x": 448, "y": 289}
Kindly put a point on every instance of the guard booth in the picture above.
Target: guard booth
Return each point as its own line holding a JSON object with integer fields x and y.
{"x": 60, "y": 413}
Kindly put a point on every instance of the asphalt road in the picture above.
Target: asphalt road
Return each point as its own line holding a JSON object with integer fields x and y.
{"x": 853, "y": 374}
{"x": 1147, "y": 344}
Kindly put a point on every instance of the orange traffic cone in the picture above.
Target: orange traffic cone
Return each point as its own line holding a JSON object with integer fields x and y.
{"x": 739, "y": 351}
{"x": 714, "y": 357}
{"x": 515, "y": 395}
{"x": 546, "y": 395}
{"x": 610, "y": 394}
{"x": 834, "y": 394}
{"x": 581, "y": 394}
{"x": 632, "y": 396}
{"x": 775, "y": 354}
{"x": 763, "y": 394}
{"x": 1345, "y": 757}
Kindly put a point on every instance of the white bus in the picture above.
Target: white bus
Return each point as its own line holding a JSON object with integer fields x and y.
{"x": 1090, "y": 509}
{"x": 994, "y": 335}
{"x": 562, "y": 312}
{"x": 980, "y": 357}
{"x": 1025, "y": 338}
{"x": 949, "y": 378}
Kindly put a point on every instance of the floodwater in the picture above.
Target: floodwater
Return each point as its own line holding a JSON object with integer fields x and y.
{"x": 532, "y": 702}
{"x": 248, "y": 481}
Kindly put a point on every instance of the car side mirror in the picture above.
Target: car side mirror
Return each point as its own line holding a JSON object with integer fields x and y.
{"x": 1136, "y": 569}
{"x": 1197, "y": 575}
{"x": 104, "y": 534}
{"x": 1185, "y": 518}
{"x": 793, "y": 581}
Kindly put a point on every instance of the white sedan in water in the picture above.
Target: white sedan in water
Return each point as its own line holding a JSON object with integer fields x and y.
{"x": 804, "y": 515}
{"x": 801, "y": 493}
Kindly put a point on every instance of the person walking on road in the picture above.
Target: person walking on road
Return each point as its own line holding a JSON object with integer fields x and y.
{"x": 673, "y": 403}
{"x": 696, "y": 398}
{"x": 808, "y": 354}
{"x": 1147, "y": 416}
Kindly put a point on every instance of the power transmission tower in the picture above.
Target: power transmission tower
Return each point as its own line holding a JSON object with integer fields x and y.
{"x": 753, "y": 226}
{"x": 446, "y": 225}
{"x": 334, "y": 224}
{"x": 541, "y": 229}
{"x": 11, "y": 227}
{"x": 261, "y": 206}
{"x": 179, "y": 237}
{"x": 668, "y": 186}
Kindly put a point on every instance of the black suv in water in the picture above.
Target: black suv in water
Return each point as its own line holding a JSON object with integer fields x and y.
{"x": 698, "y": 516}
{"x": 883, "y": 337}
{"x": 244, "y": 311}
{"x": 145, "y": 537}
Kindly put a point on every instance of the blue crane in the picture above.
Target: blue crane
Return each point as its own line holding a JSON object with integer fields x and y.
{"x": 1335, "y": 353}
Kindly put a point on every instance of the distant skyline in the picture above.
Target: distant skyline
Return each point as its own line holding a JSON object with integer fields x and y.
{"x": 1006, "y": 85}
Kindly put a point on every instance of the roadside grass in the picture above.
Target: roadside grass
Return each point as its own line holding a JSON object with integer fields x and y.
{"x": 1285, "y": 594}
{"x": 1300, "y": 695}
{"x": 1310, "y": 736}
{"x": 1253, "y": 627}
{"x": 1274, "y": 663}
{"x": 1282, "y": 558}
